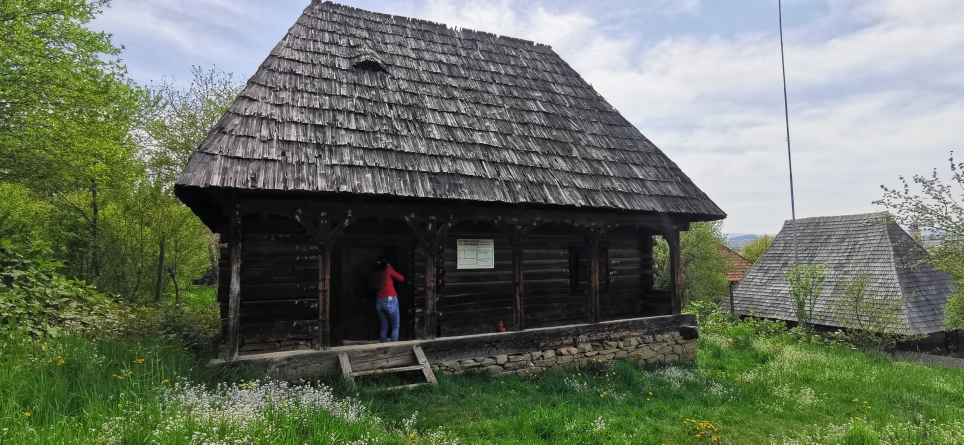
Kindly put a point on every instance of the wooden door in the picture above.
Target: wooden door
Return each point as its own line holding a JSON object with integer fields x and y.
{"x": 358, "y": 319}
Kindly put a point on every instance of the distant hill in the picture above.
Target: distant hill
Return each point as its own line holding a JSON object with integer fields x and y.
{"x": 736, "y": 241}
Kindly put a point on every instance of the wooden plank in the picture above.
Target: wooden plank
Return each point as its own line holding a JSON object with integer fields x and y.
{"x": 431, "y": 313}
{"x": 280, "y": 291}
{"x": 281, "y": 330}
{"x": 426, "y": 367}
{"x": 345, "y": 365}
{"x": 488, "y": 345}
{"x": 234, "y": 296}
{"x": 594, "y": 278}
{"x": 518, "y": 273}
{"x": 676, "y": 270}
{"x": 324, "y": 283}
{"x": 301, "y": 309}
{"x": 292, "y": 365}
{"x": 387, "y": 370}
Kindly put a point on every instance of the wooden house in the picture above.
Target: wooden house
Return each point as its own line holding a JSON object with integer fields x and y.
{"x": 869, "y": 244}
{"x": 502, "y": 185}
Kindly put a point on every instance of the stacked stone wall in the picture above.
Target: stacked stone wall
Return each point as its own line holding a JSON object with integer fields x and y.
{"x": 667, "y": 348}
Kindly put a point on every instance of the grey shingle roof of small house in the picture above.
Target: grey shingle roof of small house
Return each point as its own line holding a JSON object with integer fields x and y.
{"x": 870, "y": 244}
{"x": 352, "y": 101}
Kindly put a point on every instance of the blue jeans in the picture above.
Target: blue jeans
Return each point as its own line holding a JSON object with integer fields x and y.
{"x": 388, "y": 314}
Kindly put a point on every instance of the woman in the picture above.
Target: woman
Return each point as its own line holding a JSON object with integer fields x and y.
{"x": 387, "y": 303}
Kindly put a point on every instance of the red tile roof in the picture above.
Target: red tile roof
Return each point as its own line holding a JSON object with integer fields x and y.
{"x": 737, "y": 264}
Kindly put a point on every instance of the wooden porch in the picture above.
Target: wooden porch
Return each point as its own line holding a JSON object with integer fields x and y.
{"x": 302, "y": 363}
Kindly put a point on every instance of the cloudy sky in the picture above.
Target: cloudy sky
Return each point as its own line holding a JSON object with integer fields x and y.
{"x": 875, "y": 86}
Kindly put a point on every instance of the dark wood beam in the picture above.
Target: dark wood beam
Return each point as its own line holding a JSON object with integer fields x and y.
{"x": 675, "y": 269}
{"x": 517, "y": 235}
{"x": 234, "y": 292}
{"x": 592, "y": 247}
{"x": 423, "y": 213}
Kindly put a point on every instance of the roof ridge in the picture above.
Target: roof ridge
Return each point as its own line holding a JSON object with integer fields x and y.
{"x": 338, "y": 7}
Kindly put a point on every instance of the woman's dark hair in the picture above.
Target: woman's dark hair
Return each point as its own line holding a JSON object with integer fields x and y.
{"x": 377, "y": 280}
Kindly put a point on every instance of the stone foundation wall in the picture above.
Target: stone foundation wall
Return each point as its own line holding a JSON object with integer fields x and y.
{"x": 668, "y": 348}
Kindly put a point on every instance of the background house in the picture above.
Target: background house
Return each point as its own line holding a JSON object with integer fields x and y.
{"x": 850, "y": 245}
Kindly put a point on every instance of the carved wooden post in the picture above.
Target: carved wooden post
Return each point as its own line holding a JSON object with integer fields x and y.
{"x": 431, "y": 259}
{"x": 594, "y": 278}
{"x": 675, "y": 270}
{"x": 518, "y": 313}
{"x": 432, "y": 239}
{"x": 324, "y": 282}
{"x": 234, "y": 292}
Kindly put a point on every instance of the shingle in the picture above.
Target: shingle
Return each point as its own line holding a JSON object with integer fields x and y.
{"x": 851, "y": 245}
{"x": 456, "y": 114}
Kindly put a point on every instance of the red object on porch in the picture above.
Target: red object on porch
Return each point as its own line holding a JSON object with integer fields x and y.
{"x": 501, "y": 326}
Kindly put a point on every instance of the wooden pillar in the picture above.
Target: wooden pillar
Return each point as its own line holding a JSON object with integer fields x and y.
{"x": 324, "y": 282}
{"x": 518, "y": 312}
{"x": 431, "y": 247}
{"x": 594, "y": 274}
{"x": 675, "y": 270}
{"x": 234, "y": 293}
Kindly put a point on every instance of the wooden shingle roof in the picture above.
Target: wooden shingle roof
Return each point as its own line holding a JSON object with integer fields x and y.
{"x": 851, "y": 245}
{"x": 445, "y": 114}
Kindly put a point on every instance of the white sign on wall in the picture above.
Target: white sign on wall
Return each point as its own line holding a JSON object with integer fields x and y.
{"x": 476, "y": 254}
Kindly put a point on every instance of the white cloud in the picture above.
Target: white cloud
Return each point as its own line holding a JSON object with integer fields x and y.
{"x": 875, "y": 86}
{"x": 867, "y": 105}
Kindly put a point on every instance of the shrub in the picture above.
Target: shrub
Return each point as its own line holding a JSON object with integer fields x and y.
{"x": 34, "y": 296}
{"x": 871, "y": 321}
{"x": 806, "y": 283}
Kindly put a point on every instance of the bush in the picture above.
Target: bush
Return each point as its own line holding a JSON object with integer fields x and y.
{"x": 35, "y": 297}
{"x": 195, "y": 324}
{"x": 871, "y": 321}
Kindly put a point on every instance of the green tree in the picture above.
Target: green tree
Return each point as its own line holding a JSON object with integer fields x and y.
{"x": 175, "y": 122}
{"x": 935, "y": 206}
{"x": 871, "y": 321}
{"x": 806, "y": 283}
{"x": 704, "y": 265}
{"x": 66, "y": 108}
{"x": 753, "y": 249}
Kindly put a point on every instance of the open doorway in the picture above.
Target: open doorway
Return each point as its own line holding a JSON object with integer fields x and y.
{"x": 354, "y": 319}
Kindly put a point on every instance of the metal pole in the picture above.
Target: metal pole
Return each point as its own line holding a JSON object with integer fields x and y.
{"x": 786, "y": 114}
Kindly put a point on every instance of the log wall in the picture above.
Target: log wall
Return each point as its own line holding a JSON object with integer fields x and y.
{"x": 280, "y": 297}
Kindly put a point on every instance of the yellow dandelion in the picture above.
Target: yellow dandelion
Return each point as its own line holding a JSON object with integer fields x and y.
{"x": 177, "y": 383}
{"x": 650, "y": 393}
{"x": 166, "y": 380}
{"x": 411, "y": 435}
{"x": 868, "y": 407}
{"x": 537, "y": 387}
{"x": 858, "y": 417}
{"x": 856, "y": 400}
{"x": 26, "y": 414}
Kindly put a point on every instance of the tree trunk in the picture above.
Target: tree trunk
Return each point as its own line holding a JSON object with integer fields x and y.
{"x": 177, "y": 290}
{"x": 160, "y": 271}
{"x": 95, "y": 211}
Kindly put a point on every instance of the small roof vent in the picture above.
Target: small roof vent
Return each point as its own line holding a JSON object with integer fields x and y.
{"x": 370, "y": 65}
{"x": 367, "y": 59}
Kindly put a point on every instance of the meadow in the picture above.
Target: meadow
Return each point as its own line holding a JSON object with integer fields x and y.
{"x": 746, "y": 388}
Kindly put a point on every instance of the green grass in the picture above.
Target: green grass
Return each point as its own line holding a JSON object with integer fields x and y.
{"x": 767, "y": 392}
{"x": 763, "y": 391}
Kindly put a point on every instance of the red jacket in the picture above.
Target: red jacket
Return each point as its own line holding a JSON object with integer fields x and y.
{"x": 388, "y": 288}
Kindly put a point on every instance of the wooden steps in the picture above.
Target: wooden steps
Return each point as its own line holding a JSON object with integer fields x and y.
{"x": 390, "y": 366}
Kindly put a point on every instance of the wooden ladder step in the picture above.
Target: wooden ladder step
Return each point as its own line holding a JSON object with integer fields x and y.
{"x": 345, "y": 363}
{"x": 384, "y": 370}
